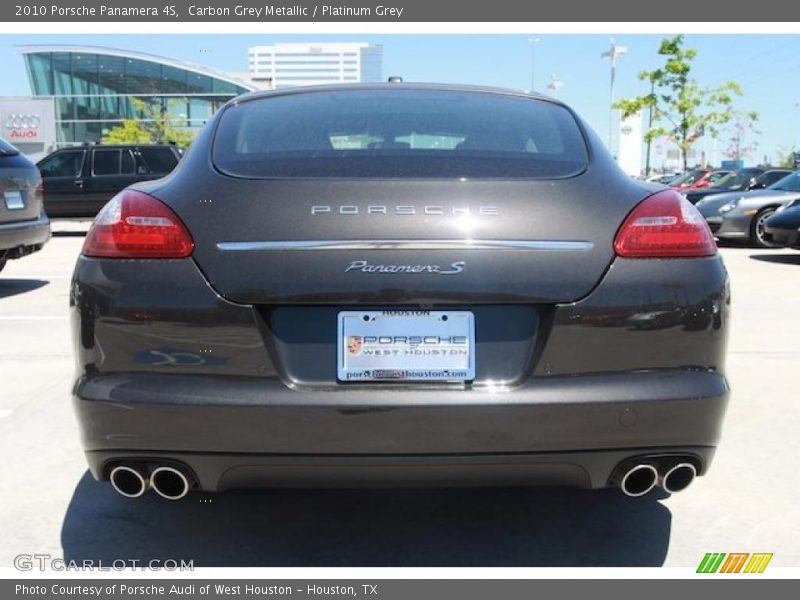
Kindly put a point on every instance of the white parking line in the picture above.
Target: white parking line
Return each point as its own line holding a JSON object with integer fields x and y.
{"x": 35, "y": 276}
{"x": 33, "y": 317}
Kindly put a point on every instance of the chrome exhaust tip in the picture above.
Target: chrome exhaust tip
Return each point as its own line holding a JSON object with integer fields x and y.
{"x": 638, "y": 480}
{"x": 128, "y": 481}
{"x": 679, "y": 477}
{"x": 169, "y": 483}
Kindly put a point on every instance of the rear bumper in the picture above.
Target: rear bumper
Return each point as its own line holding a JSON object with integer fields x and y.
{"x": 247, "y": 395}
{"x": 24, "y": 237}
{"x": 221, "y": 472}
{"x": 558, "y": 430}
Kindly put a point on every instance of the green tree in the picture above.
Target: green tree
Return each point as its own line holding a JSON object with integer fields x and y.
{"x": 683, "y": 110}
{"x": 153, "y": 126}
{"x": 785, "y": 156}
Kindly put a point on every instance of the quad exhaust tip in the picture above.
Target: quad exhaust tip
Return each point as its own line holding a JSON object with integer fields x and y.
{"x": 169, "y": 483}
{"x": 679, "y": 477}
{"x": 128, "y": 481}
{"x": 639, "y": 480}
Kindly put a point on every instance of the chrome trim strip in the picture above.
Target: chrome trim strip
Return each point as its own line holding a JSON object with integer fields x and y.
{"x": 466, "y": 244}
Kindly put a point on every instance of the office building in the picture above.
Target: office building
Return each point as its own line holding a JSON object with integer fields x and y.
{"x": 288, "y": 65}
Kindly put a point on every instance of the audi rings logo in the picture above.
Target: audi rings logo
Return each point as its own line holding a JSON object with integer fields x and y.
{"x": 21, "y": 125}
{"x": 20, "y": 121}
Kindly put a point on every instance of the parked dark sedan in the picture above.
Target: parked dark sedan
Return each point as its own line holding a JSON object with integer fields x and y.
{"x": 398, "y": 283}
{"x": 78, "y": 181}
{"x": 739, "y": 216}
{"x": 784, "y": 226}
{"x": 744, "y": 180}
{"x": 24, "y": 226}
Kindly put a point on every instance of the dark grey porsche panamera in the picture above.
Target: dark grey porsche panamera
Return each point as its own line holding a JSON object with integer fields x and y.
{"x": 398, "y": 284}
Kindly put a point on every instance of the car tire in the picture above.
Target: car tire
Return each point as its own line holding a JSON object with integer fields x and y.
{"x": 758, "y": 237}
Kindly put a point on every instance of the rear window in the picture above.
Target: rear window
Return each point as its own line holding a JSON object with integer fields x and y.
{"x": 398, "y": 134}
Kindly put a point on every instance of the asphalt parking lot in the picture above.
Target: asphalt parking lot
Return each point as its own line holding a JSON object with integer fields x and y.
{"x": 748, "y": 502}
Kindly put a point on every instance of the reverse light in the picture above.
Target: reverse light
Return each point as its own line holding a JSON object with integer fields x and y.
{"x": 665, "y": 225}
{"x": 136, "y": 225}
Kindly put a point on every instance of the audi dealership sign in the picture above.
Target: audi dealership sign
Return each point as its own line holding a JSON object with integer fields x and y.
{"x": 23, "y": 126}
{"x": 28, "y": 121}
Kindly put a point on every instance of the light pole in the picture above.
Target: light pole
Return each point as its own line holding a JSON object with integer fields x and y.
{"x": 649, "y": 127}
{"x": 555, "y": 84}
{"x": 612, "y": 54}
{"x": 533, "y": 41}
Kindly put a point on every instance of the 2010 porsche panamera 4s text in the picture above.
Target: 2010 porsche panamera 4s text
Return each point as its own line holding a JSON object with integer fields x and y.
{"x": 398, "y": 284}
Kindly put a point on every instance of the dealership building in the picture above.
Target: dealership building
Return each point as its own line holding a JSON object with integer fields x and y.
{"x": 91, "y": 90}
{"x": 80, "y": 93}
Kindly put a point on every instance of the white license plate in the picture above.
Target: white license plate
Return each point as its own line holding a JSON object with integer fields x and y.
{"x": 14, "y": 200}
{"x": 406, "y": 345}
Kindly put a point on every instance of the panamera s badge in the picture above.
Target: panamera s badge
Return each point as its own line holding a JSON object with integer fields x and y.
{"x": 363, "y": 266}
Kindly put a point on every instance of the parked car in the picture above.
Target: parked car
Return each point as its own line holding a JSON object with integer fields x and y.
{"x": 744, "y": 180}
{"x": 398, "y": 283}
{"x": 661, "y": 178}
{"x": 24, "y": 226}
{"x": 741, "y": 216}
{"x": 688, "y": 178}
{"x": 784, "y": 226}
{"x": 78, "y": 181}
{"x": 710, "y": 179}
{"x": 699, "y": 179}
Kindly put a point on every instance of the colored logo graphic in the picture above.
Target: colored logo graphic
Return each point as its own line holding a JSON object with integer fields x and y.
{"x": 734, "y": 562}
{"x": 354, "y": 344}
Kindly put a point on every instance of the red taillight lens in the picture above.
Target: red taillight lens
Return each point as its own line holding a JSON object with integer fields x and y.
{"x": 665, "y": 225}
{"x": 135, "y": 225}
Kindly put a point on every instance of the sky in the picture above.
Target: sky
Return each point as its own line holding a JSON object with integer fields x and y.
{"x": 767, "y": 67}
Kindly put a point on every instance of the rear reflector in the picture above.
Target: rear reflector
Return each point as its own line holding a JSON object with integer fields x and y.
{"x": 665, "y": 225}
{"x": 135, "y": 225}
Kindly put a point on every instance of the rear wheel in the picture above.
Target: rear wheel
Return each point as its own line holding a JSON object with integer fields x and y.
{"x": 759, "y": 238}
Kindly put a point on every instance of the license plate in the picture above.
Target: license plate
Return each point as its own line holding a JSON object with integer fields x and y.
{"x": 14, "y": 200}
{"x": 406, "y": 345}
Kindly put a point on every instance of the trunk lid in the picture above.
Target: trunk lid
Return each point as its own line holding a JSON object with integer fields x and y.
{"x": 402, "y": 241}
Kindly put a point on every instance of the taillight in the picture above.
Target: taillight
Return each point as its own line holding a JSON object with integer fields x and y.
{"x": 135, "y": 225}
{"x": 665, "y": 225}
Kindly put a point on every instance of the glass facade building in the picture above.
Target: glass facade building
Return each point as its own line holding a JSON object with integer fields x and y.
{"x": 94, "y": 88}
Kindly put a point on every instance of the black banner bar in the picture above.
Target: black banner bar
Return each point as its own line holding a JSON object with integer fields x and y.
{"x": 730, "y": 587}
{"x": 263, "y": 11}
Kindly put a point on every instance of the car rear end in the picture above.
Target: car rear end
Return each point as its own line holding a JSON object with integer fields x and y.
{"x": 24, "y": 226}
{"x": 382, "y": 285}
